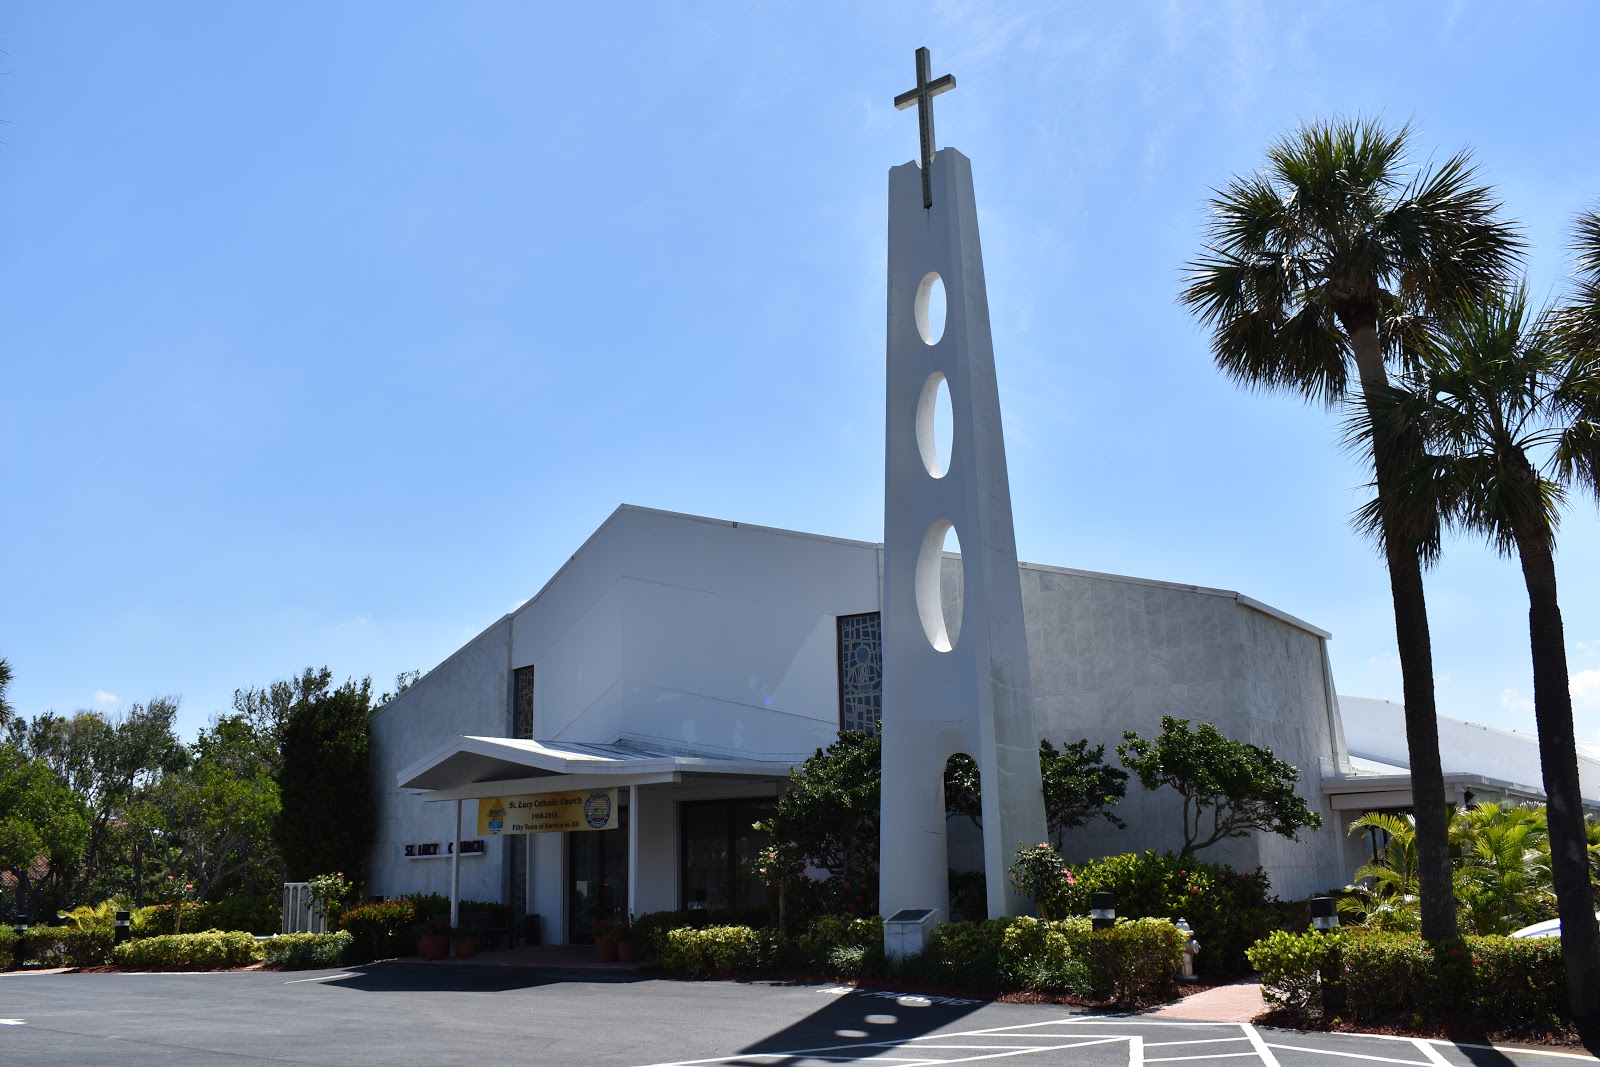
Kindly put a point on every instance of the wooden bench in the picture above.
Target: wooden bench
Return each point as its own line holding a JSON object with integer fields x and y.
{"x": 489, "y": 934}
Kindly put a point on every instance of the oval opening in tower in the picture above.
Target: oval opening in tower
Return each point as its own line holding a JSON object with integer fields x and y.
{"x": 930, "y": 308}
{"x": 935, "y": 429}
{"x": 939, "y": 586}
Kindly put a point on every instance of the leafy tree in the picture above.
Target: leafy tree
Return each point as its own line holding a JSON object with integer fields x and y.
{"x": 1242, "y": 787}
{"x": 210, "y": 824}
{"x": 326, "y": 818}
{"x": 111, "y": 763}
{"x": 1508, "y": 416}
{"x": 828, "y": 816}
{"x": 39, "y": 817}
{"x": 1331, "y": 257}
{"x": 1078, "y": 787}
{"x": 1390, "y": 899}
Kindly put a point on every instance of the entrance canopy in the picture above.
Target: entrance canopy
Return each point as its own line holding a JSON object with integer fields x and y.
{"x": 490, "y": 766}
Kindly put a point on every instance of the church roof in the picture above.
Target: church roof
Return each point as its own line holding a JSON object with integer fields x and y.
{"x": 470, "y": 761}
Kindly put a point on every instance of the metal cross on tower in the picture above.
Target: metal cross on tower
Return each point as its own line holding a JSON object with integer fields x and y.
{"x": 923, "y": 96}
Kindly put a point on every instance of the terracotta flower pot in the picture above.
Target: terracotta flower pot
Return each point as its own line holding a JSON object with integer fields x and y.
{"x": 433, "y": 946}
{"x": 627, "y": 951}
{"x": 466, "y": 947}
{"x": 605, "y": 949}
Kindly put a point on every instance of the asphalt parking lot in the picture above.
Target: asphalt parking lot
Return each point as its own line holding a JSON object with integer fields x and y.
{"x": 399, "y": 1014}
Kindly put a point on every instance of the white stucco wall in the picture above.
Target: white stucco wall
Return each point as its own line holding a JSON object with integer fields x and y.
{"x": 682, "y": 629}
{"x": 1111, "y": 653}
{"x": 469, "y": 693}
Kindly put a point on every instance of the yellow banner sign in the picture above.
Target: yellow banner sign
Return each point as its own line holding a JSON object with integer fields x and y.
{"x": 539, "y": 813}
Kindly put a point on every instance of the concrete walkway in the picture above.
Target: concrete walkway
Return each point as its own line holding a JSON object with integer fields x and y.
{"x": 1237, "y": 1002}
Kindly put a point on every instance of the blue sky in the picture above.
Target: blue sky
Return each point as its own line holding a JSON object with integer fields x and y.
{"x": 331, "y": 330}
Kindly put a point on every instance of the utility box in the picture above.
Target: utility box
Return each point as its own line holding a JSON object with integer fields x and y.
{"x": 905, "y": 933}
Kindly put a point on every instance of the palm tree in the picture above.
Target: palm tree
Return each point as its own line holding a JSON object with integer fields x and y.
{"x": 1389, "y": 899}
{"x": 1503, "y": 874}
{"x": 1332, "y": 256}
{"x": 1507, "y": 414}
{"x": 5, "y": 680}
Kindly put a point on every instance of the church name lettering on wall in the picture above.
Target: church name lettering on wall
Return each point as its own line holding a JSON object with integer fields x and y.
{"x": 423, "y": 850}
{"x": 539, "y": 813}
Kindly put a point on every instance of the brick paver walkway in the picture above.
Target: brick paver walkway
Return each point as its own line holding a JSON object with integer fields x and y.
{"x": 1237, "y": 1002}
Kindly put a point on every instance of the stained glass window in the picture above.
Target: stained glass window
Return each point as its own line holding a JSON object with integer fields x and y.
{"x": 860, "y": 672}
{"x": 522, "y": 704}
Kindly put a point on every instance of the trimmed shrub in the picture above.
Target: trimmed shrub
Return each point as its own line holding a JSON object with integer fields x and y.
{"x": 380, "y": 931}
{"x": 717, "y": 950}
{"x": 213, "y": 948}
{"x": 1514, "y": 982}
{"x": 1292, "y": 965}
{"x": 257, "y": 915}
{"x": 967, "y": 953}
{"x": 295, "y": 952}
{"x": 8, "y": 948}
{"x": 1227, "y": 909}
{"x": 68, "y": 946}
{"x": 650, "y": 929}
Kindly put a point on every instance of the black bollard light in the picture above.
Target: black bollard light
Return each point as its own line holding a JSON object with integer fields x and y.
{"x": 20, "y": 928}
{"x": 1324, "y": 919}
{"x": 121, "y": 928}
{"x": 1102, "y": 909}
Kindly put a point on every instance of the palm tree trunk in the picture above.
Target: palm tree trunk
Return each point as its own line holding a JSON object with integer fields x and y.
{"x": 1435, "y": 884}
{"x": 1558, "y": 754}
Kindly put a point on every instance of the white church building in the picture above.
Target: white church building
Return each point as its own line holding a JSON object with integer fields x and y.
{"x": 606, "y": 748}
{"x": 688, "y": 663}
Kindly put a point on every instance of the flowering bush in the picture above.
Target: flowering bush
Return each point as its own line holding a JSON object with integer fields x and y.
{"x": 329, "y": 892}
{"x": 1040, "y": 874}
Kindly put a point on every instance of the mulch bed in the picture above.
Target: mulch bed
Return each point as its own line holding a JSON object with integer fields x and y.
{"x": 1467, "y": 1031}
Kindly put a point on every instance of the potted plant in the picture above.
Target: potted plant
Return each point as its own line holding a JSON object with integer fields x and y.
{"x": 605, "y": 939}
{"x": 465, "y": 940}
{"x": 433, "y": 939}
{"x": 627, "y": 941}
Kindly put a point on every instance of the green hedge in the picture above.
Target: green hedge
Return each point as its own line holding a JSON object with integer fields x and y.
{"x": 8, "y": 947}
{"x": 1517, "y": 982}
{"x": 380, "y": 931}
{"x": 295, "y": 952}
{"x": 1228, "y": 910}
{"x": 255, "y": 914}
{"x": 1135, "y": 962}
{"x": 67, "y": 946}
{"x": 650, "y": 929}
{"x": 213, "y": 948}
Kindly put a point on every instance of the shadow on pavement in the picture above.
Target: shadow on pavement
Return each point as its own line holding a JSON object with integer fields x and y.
{"x": 464, "y": 978}
{"x": 1486, "y": 1057}
{"x": 856, "y": 1018}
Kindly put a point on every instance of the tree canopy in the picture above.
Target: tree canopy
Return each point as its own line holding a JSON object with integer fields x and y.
{"x": 1229, "y": 788}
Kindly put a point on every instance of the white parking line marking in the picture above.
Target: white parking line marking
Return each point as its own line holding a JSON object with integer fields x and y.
{"x": 1195, "y": 1041}
{"x": 1352, "y": 1055}
{"x": 1136, "y": 1051}
{"x": 12, "y": 1022}
{"x": 1432, "y": 1053}
{"x": 1212, "y": 1056}
{"x": 1259, "y": 1045}
{"x": 323, "y": 978}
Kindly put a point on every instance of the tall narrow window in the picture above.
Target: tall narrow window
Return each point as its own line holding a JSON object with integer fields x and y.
{"x": 860, "y": 672}
{"x": 522, "y": 704}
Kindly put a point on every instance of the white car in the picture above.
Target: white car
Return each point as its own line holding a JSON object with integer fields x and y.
{"x": 1548, "y": 928}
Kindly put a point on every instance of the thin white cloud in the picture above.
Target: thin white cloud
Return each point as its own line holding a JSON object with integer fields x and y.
{"x": 1512, "y": 700}
{"x": 1385, "y": 659}
{"x": 1588, "y": 649}
{"x": 103, "y": 697}
{"x": 1585, "y": 691}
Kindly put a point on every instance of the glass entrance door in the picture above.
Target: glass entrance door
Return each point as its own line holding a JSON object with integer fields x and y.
{"x": 720, "y": 843}
{"x": 597, "y": 878}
